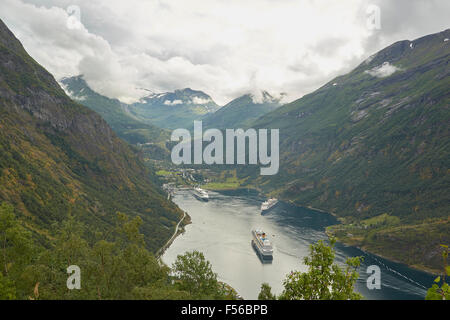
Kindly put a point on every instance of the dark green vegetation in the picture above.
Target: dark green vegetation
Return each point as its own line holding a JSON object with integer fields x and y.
{"x": 114, "y": 264}
{"x": 363, "y": 146}
{"x": 266, "y": 293}
{"x": 240, "y": 112}
{"x": 65, "y": 178}
{"x": 174, "y": 110}
{"x": 115, "y": 114}
{"x": 372, "y": 150}
{"x": 58, "y": 158}
{"x": 194, "y": 275}
{"x": 323, "y": 281}
{"x": 441, "y": 292}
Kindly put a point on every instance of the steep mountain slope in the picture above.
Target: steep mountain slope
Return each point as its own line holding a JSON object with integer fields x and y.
{"x": 173, "y": 110}
{"x": 375, "y": 141}
{"x": 240, "y": 112}
{"x": 59, "y": 158}
{"x": 113, "y": 111}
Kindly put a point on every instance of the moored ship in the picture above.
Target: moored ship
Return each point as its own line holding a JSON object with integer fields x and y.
{"x": 262, "y": 244}
{"x": 201, "y": 194}
{"x": 269, "y": 204}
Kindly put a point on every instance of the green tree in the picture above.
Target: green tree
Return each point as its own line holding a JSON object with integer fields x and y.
{"x": 266, "y": 293}
{"x": 324, "y": 279}
{"x": 194, "y": 274}
{"x": 49, "y": 271}
{"x": 115, "y": 264}
{"x": 15, "y": 241}
{"x": 442, "y": 292}
{"x": 7, "y": 288}
{"x": 16, "y": 253}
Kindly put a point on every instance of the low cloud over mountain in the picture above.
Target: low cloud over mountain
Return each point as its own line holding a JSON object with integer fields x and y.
{"x": 225, "y": 48}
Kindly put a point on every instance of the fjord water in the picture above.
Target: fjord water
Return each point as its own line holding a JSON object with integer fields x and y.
{"x": 221, "y": 230}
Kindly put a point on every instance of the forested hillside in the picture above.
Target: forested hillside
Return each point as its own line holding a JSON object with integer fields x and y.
{"x": 375, "y": 143}
{"x": 241, "y": 112}
{"x": 58, "y": 158}
{"x": 114, "y": 112}
{"x": 174, "y": 110}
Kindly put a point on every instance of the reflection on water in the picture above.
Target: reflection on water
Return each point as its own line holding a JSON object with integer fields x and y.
{"x": 221, "y": 229}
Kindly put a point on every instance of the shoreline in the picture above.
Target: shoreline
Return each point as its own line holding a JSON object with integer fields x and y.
{"x": 365, "y": 249}
{"x": 328, "y": 235}
{"x": 362, "y": 248}
{"x": 379, "y": 255}
{"x": 231, "y": 189}
{"x": 177, "y": 232}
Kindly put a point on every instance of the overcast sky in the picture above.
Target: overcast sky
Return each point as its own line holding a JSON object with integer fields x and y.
{"x": 223, "y": 47}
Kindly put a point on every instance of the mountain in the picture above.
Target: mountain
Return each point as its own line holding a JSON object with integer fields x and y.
{"x": 241, "y": 112}
{"x": 373, "y": 147}
{"x": 59, "y": 158}
{"x": 174, "y": 110}
{"x": 114, "y": 112}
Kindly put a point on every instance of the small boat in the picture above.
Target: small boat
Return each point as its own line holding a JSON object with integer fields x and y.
{"x": 269, "y": 204}
{"x": 201, "y": 194}
{"x": 262, "y": 244}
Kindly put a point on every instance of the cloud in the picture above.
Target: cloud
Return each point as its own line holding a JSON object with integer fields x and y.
{"x": 262, "y": 96}
{"x": 198, "y": 100}
{"x": 385, "y": 70}
{"x": 172, "y": 103}
{"x": 224, "y": 48}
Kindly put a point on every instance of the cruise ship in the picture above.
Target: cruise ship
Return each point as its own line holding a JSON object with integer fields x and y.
{"x": 262, "y": 245}
{"x": 269, "y": 204}
{"x": 201, "y": 194}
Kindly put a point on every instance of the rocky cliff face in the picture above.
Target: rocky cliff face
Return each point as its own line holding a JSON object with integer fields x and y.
{"x": 58, "y": 157}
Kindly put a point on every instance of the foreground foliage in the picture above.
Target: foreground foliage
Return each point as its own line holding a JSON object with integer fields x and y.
{"x": 266, "y": 293}
{"x": 194, "y": 274}
{"x": 323, "y": 281}
{"x": 442, "y": 292}
{"x": 114, "y": 264}
{"x": 59, "y": 158}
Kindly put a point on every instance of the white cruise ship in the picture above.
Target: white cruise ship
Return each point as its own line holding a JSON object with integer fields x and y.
{"x": 201, "y": 194}
{"x": 262, "y": 244}
{"x": 269, "y": 204}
